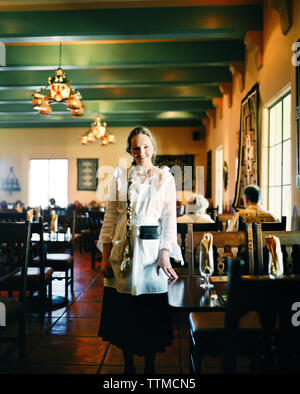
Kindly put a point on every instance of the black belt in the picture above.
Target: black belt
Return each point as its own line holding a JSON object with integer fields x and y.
{"x": 149, "y": 232}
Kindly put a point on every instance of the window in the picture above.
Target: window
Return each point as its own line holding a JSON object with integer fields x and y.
{"x": 279, "y": 184}
{"x": 219, "y": 179}
{"x": 48, "y": 178}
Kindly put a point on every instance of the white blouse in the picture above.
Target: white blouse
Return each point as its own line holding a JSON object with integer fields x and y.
{"x": 153, "y": 203}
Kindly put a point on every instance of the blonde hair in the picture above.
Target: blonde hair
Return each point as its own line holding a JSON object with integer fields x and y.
{"x": 147, "y": 132}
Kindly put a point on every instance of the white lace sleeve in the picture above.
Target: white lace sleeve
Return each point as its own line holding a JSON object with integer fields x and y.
{"x": 111, "y": 214}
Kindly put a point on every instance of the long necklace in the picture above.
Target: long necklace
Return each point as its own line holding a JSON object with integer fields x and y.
{"x": 129, "y": 209}
{"x": 126, "y": 265}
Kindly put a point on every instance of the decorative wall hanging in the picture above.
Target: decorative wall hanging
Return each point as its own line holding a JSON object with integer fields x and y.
{"x": 11, "y": 183}
{"x": 208, "y": 175}
{"x": 87, "y": 174}
{"x": 297, "y": 116}
{"x": 185, "y": 180}
{"x": 247, "y": 159}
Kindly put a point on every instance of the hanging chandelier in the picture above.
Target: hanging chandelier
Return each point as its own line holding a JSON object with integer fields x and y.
{"x": 97, "y": 131}
{"x": 60, "y": 91}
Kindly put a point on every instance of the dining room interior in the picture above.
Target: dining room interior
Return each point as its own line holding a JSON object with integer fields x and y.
{"x": 218, "y": 84}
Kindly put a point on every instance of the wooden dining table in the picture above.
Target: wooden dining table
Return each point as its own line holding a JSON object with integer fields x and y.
{"x": 186, "y": 294}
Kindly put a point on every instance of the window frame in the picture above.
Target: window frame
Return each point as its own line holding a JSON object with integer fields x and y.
{"x": 280, "y": 99}
{"x": 49, "y": 160}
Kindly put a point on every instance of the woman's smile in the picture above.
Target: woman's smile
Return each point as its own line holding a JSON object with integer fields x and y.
{"x": 142, "y": 150}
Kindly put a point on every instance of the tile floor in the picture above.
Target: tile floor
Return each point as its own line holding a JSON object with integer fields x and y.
{"x": 65, "y": 341}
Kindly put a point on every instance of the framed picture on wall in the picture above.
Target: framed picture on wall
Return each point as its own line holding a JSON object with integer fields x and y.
{"x": 297, "y": 116}
{"x": 248, "y": 158}
{"x": 185, "y": 180}
{"x": 87, "y": 174}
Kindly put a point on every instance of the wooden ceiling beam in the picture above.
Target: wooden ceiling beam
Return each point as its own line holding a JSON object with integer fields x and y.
{"x": 206, "y": 124}
{"x": 226, "y": 90}
{"x": 144, "y": 55}
{"x": 169, "y": 73}
{"x": 218, "y": 103}
{"x": 254, "y": 42}
{"x": 182, "y": 22}
{"x": 284, "y": 9}
{"x": 201, "y": 92}
{"x": 52, "y": 5}
{"x": 98, "y": 75}
{"x": 237, "y": 70}
{"x": 120, "y": 106}
{"x": 49, "y": 123}
{"x": 211, "y": 114}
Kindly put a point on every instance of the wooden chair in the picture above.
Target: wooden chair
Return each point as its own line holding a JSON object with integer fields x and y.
{"x": 60, "y": 211}
{"x": 182, "y": 229}
{"x": 60, "y": 257}
{"x": 39, "y": 277}
{"x": 14, "y": 246}
{"x": 95, "y": 221}
{"x": 266, "y": 226}
{"x": 290, "y": 246}
{"x": 225, "y": 244}
{"x": 206, "y": 328}
{"x": 213, "y": 213}
{"x": 82, "y": 227}
{"x": 216, "y": 226}
{"x": 271, "y": 299}
{"x": 224, "y": 219}
{"x": 64, "y": 221}
{"x": 246, "y": 327}
{"x": 202, "y": 324}
{"x": 12, "y": 215}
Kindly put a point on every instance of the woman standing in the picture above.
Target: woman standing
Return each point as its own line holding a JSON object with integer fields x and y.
{"x": 139, "y": 236}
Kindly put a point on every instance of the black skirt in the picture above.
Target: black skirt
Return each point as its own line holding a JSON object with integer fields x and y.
{"x": 139, "y": 324}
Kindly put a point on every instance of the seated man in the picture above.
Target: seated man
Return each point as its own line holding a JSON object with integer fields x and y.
{"x": 195, "y": 210}
{"x": 253, "y": 213}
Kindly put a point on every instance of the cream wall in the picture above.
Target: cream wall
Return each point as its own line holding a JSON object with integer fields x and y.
{"x": 18, "y": 146}
{"x": 276, "y": 74}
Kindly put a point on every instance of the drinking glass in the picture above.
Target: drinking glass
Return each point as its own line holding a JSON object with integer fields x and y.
{"x": 206, "y": 268}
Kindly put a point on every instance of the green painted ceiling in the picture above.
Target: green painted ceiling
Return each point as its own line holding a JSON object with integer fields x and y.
{"x": 156, "y": 65}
